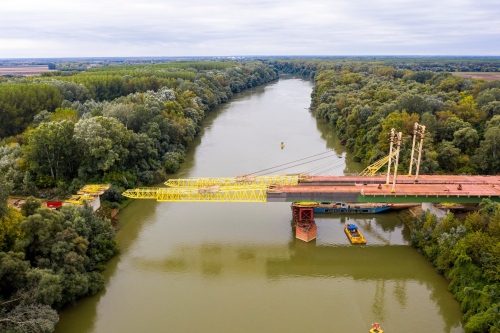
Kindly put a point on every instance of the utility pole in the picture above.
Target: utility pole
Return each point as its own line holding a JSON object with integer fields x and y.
{"x": 418, "y": 131}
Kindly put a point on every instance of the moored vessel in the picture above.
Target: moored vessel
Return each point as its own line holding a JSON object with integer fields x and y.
{"x": 350, "y": 208}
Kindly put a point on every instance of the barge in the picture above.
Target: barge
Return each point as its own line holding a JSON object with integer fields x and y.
{"x": 350, "y": 208}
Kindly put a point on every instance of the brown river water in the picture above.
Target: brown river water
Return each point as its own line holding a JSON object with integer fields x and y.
{"x": 236, "y": 267}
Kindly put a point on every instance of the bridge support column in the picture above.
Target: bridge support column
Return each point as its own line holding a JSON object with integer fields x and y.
{"x": 303, "y": 220}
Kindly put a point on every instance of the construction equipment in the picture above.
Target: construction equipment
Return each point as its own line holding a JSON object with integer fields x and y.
{"x": 245, "y": 193}
{"x": 372, "y": 169}
{"x": 282, "y": 180}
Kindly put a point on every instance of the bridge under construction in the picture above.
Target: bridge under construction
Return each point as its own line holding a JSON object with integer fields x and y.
{"x": 306, "y": 190}
{"x": 292, "y": 188}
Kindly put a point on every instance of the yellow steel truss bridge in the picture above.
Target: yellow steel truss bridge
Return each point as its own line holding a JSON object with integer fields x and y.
{"x": 245, "y": 193}
{"x": 281, "y": 180}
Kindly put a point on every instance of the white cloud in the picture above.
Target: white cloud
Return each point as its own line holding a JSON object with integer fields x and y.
{"x": 32, "y": 28}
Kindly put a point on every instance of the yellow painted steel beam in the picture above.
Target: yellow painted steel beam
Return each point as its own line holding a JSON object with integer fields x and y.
{"x": 281, "y": 180}
{"x": 203, "y": 194}
{"x": 142, "y": 193}
{"x": 372, "y": 169}
{"x": 79, "y": 199}
{"x": 94, "y": 189}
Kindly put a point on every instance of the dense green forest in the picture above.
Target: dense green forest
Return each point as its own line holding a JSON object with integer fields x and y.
{"x": 362, "y": 102}
{"x": 124, "y": 125}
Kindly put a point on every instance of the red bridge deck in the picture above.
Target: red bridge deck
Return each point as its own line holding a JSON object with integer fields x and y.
{"x": 404, "y": 179}
{"x": 373, "y": 189}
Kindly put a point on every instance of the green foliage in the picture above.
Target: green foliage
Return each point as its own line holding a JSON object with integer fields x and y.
{"x": 19, "y": 103}
{"x": 60, "y": 254}
{"x": 5, "y": 189}
{"x": 64, "y": 114}
{"x": 103, "y": 142}
{"x": 31, "y": 318}
{"x": 30, "y": 206}
{"x": 10, "y": 229}
{"x": 51, "y": 150}
{"x": 13, "y": 270}
{"x": 468, "y": 253}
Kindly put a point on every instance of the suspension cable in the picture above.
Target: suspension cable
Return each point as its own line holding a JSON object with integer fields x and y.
{"x": 318, "y": 159}
{"x": 321, "y": 166}
{"x": 305, "y": 158}
{"x": 333, "y": 167}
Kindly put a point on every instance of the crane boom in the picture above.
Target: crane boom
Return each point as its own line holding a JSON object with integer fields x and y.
{"x": 372, "y": 169}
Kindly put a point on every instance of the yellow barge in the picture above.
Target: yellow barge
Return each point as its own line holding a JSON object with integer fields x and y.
{"x": 354, "y": 234}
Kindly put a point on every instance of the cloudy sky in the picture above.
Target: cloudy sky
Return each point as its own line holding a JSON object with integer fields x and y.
{"x": 95, "y": 28}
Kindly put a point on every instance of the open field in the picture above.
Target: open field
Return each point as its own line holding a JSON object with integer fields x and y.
{"x": 23, "y": 70}
{"x": 478, "y": 75}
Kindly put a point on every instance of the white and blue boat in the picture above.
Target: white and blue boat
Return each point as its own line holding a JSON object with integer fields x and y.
{"x": 350, "y": 208}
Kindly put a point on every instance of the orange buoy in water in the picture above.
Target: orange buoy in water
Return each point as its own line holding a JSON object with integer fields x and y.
{"x": 376, "y": 328}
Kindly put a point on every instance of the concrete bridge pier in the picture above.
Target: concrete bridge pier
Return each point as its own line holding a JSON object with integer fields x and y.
{"x": 303, "y": 221}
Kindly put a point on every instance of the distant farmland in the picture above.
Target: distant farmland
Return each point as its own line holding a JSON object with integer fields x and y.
{"x": 23, "y": 70}
{"x": 489, "y": 76}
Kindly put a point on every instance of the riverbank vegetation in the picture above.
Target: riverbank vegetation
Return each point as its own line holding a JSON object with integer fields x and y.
{"x": 48, "y": 259}
{"x": 362, "y": 102}
{"x": 124, "y": 125}
{"x": 468, "y": 254}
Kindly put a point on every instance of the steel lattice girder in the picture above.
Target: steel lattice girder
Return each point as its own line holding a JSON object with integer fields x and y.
{"x": 237, "y": 181}
{"x": 208, "y": 194}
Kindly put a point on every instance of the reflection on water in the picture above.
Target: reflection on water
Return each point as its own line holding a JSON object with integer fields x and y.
{"x": 234, "y": 267}
{"x": 392, "y": 276}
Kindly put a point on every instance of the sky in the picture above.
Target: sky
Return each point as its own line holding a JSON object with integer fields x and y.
{"x": 127, "y": 28}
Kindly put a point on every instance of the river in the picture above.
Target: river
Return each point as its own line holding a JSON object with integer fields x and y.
{"x": 236, "y": 267}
